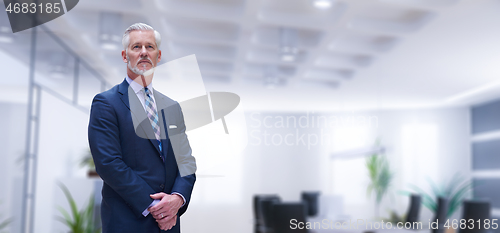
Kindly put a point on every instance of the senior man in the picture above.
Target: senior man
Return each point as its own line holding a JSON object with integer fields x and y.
{"x": 140, "y": 149}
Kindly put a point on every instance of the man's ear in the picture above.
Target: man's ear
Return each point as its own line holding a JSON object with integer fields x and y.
{"x": 159, "y": 56}
{"x": 124, "y": 56}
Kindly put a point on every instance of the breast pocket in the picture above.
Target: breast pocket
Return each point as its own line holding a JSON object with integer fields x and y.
{"x": 173, "y": 130}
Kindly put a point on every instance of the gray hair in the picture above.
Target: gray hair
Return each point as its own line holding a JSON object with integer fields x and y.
{"x": 139, "y": 27}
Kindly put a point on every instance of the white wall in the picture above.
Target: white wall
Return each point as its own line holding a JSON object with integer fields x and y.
{"x": 13, "y": 127}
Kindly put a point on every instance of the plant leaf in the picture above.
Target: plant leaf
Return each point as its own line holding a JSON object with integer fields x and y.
{"x": 380, "y": 176}
{"x": 5, "y": 223}
{"x": 456, "y": 199}
{"x": 67, "y": 219}
{"x": 435, "y": 190}
{"x": 79, "y": 221}
{"x": 455, "y": 191}
{"x": 427, "y": 200}
{"x": 406, "y": 193}
{"x": 454, "y": 182}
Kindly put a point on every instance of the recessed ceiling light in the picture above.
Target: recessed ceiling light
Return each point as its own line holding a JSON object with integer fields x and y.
{"x": 109, "y": 46}
{"x": 58, "y": 72}
{"x": 323, "y": 4}
{"x": 287, "y": 57}
{"x": 273, "y": 81}
{"x": 56, "y": 75}
{"x": 288, "y": 53}
{"x": 6, "y": 39}
{"x": 5, "y": 29}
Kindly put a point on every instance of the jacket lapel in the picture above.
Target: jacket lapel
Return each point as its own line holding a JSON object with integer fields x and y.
{"x": 142, "y": 125}
{"x": 123, "y": 90}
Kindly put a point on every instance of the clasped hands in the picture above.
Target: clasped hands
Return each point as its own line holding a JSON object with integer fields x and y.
{"x": 165, "y": 212}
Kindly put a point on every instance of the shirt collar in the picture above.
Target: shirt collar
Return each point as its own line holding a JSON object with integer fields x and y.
{"x": 138, "y": 87}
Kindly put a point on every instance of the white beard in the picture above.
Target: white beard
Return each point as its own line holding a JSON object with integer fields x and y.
{"x": 135, "y": 69}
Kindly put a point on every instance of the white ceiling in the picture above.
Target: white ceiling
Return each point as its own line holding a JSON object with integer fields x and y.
{"x": 358, "y": 54}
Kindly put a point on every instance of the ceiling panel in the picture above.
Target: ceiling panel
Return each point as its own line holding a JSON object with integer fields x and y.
{"x": 389, "y": 18}
{"x": 275, "y": 56}
{"x": 300, "y": 13}
{"x": 363, "y": 42}
{"x": 336, "y": 60}
{"x": 270, "y": 36}
{"x": 197, "y": 28}
{"x": 202, "y": 51}
{"x": 329, "y": 74}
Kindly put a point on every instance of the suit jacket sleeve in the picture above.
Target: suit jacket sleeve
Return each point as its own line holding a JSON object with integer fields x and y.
{"x": 105, "y": 147}
{"x": 186, "y": 163}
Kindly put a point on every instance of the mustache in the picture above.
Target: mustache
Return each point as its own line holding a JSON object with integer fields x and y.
{"x": 144, "y": 59}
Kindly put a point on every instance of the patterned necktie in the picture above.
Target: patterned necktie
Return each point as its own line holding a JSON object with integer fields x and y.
{"x": 152, "y": 115}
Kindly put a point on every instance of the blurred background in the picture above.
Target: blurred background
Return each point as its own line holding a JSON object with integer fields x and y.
{"x": 349, "y": 107}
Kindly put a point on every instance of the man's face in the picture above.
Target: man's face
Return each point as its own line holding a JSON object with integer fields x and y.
{"x": 142, "y": 53}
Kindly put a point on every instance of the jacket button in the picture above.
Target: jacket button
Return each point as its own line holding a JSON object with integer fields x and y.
{"x": 162, "y": 186}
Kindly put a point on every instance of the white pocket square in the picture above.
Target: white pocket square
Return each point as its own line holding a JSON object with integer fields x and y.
{"x": 172, "y": 126}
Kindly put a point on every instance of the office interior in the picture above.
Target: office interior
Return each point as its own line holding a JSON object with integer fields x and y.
{"x": 325, "y": 88}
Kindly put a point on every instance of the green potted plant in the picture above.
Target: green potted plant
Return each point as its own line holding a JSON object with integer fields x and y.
{"x": 381, "y": 177}
{"x": 80, "y": 221}
{"x": 4, "y": 223}
{"x": 395, "y": 218}
{"x": 88, "y": 161}
{"x": 455, "y": 191}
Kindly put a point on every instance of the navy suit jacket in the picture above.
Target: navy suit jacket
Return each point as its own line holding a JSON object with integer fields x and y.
{"x": 130, "y": 164}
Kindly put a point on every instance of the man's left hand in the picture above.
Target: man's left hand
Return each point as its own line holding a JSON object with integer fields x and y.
{"x": 168, "y": 206}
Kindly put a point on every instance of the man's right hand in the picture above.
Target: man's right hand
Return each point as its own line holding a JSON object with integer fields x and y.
{"x": 167, "y": 223}
{"x": 165, "y": 212}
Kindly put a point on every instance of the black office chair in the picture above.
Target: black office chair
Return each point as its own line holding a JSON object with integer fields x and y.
{"x": 442, "y": 211}
{"x": 414, "y": 209}
{"x": 259, "y": 226}
{"x": 284, "y": 212}
{"x": 477, "y": 210}
{"x": 267, "y": 214}
{"x": 312, "y": 202}
{"x": 256, "y": 215}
